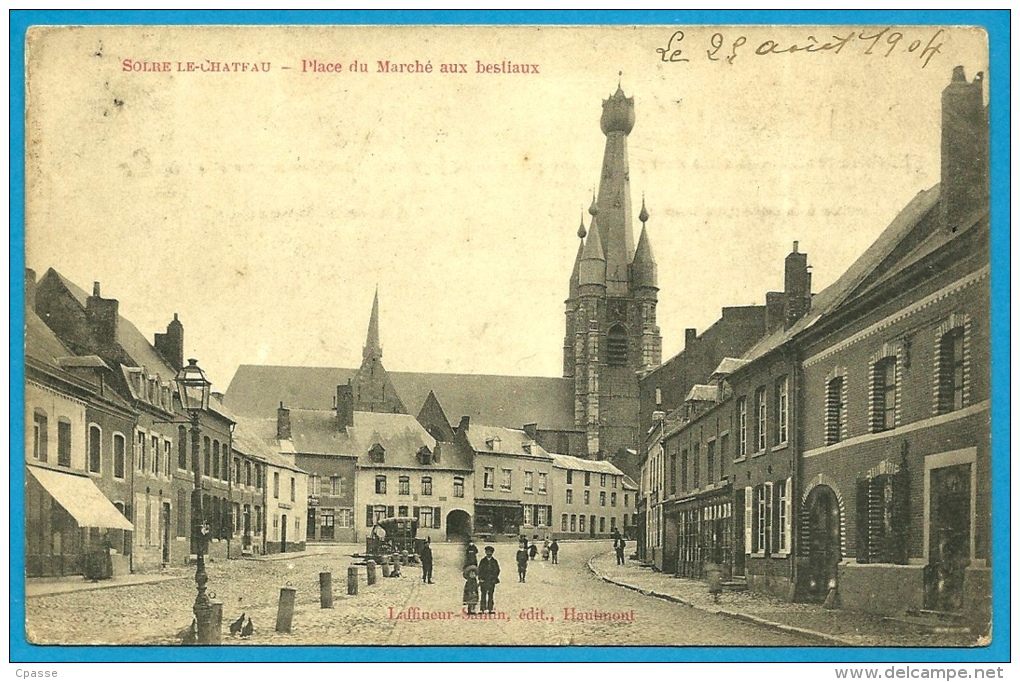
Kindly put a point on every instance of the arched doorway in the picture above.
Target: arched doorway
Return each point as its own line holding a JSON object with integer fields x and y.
{"x": 824, "y": 553}
{"x": 458, "y": 526}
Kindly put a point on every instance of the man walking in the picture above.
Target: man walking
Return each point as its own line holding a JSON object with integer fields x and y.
{"x": 619, "y": 544}
{"x": 426, "y": 561}
{"x": 554, "y": 549}
{"x": 488, "y": 578}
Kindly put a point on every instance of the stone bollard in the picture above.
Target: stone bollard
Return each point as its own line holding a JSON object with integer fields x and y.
{"x": 216, "y": 625}
{"x": 371, "y": 572}
{"x": 285, "y": 612}
{"x": 352, "y": 580}
{"x": 385, "y": 568}
{"x": 325, "y": 590}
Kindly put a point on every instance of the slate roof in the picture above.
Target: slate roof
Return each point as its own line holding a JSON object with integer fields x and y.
{"x": 314, "y": 432}
{"x": 132, "y": 341}
{"x": 703, "y": 392}
{"x": 870, "y": 262}
{"x": 41, "y": 343}
{"x": 511, "y": 441}
{"x": 247, "y": 439}
{"x": 510, "y": 401}
{"x": 595, "y": 466}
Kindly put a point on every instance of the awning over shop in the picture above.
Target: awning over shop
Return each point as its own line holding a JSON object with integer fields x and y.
{"x": 81, "y": 498}
{"x": 507, "y": 504}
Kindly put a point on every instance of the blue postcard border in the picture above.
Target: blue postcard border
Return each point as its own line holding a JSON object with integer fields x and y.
{"x": 997, "y": 25}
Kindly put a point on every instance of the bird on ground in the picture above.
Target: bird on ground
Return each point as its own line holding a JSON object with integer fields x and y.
{"x": 248, "y": 629}
{"x": 236, "y": 626}
{"x": 189, "y": 635}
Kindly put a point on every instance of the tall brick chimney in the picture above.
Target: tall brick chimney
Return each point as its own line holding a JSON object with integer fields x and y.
{"x": 344, "y": 406}
{"x": 797, "y": 286}
{"x": 170, "y": 346}
{"x": 690, "y": 336}
{"x": 29, "y": 289}
{"x": 965, "y": 170}
{"x": 283, "y": 431}
{"x": 102, "y": 315}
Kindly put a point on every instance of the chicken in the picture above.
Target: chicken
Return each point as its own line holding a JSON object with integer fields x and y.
{"x": 248, "y": 629}
{"x": 236, "y": 626}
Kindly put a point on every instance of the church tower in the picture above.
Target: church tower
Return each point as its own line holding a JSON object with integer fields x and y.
{"x": 371, "y": 387}
{"x": 611, "y": 335}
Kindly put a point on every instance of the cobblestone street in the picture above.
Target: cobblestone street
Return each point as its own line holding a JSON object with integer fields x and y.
{"x": 530, "y": 613}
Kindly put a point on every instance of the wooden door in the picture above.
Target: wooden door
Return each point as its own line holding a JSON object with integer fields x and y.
{"x": 949, "y": 537}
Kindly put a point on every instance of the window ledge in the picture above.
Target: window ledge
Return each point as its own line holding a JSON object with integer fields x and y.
{"x": 758, "y": 454}
{"x": 782, "y": 446}
{"x": 742, "y": 458}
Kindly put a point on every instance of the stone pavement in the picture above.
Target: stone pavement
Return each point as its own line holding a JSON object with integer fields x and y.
{"x": 826, "y": 626}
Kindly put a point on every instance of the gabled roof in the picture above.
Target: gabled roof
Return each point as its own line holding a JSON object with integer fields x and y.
{"x": 41, "y": 343}
{"x": 873, "y": 262}
{"x": 727, "y": 366}
{"x": 314, "y": 432}
{"x": 247, "y": 440}
{"x": 132, "y": 341}
{"x": 511, "y": 441}
{"x": 510, "y": 401}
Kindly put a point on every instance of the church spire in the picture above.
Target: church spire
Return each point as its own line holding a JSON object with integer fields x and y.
{"x": 613, "y": 203}
{"x": 592, "y": 267}
{"x": 372, "y": 348}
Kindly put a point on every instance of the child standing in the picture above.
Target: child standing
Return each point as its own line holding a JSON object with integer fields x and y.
{"x": 471, "y": 588}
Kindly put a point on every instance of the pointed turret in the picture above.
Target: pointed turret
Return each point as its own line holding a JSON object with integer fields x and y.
{"x": 593, "y": 259}
{"x": 372, "y": 348}
{"x": 613, "y": 204}
{"x": 576, "y": 272}
{"x": 644, "y": 272}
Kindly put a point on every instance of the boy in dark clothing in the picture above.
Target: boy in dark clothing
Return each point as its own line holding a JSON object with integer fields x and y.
{"x": 619, "y": 544}
{"x": 554, "y": 549}
{"x": 522, "y": 563}
{"x": 488, "y": 578}
{"x": 426, "y": 562}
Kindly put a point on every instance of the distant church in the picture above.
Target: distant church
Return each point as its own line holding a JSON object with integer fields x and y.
{"x": 611, "y": 340}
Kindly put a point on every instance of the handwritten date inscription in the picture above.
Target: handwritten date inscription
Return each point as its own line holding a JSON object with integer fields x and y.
{"x": 883, "y": 42}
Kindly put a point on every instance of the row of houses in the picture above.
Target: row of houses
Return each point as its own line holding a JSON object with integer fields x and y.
{"x": 368, "y": 458}
{"x": 110, "y": 464}
{"x": 838, "y": 450}
{"x": 109, "y": 455}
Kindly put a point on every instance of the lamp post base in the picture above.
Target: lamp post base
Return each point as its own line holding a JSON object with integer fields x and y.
{"x": 210, "y": 623}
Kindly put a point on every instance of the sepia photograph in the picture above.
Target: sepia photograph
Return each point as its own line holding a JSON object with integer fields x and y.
{"x": 520, "y": 335}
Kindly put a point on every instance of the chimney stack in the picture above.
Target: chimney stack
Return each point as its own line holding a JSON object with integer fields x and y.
{"x": 690, "y": 336}
{"x": 465, "y": 424}
{"x": 283, "y": 423}
{"x": 797, "y": 286}
{"x": 170, "y": 346}
{"x": 344, "y": 406}
{"x": 964, "y": 186}
{"x": 29, "y": 289}
{"x": 102, "y": 315}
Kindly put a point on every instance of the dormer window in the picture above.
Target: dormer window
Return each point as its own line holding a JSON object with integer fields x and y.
{"x": 377, "y": 454}
{"x": 494, "y": 444}
{"x": 424, "y": 455}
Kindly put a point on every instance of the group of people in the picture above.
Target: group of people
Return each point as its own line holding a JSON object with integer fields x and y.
{"x": 481, "y": 577}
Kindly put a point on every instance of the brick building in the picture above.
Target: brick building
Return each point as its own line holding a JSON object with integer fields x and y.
{"x": 896, "y": 463}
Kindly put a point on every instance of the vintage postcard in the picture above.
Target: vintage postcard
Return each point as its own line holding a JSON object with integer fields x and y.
{"x": 570, "y": 336}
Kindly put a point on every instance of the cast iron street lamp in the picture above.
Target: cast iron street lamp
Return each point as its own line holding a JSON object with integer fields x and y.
{"x": 194, "y": 391}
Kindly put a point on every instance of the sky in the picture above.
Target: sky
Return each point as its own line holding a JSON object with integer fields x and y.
{"x": 265, "y": 207}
